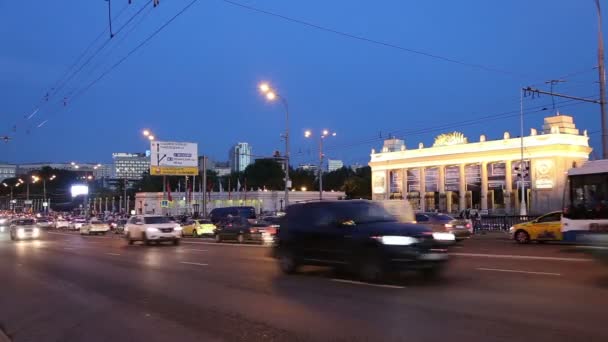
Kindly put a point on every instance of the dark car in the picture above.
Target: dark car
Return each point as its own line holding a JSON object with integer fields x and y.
{"x": 361, "y": 235}
{"x": 241, "y": 229}
{"x": 218, "y": 214}
{"x": 438, "y": 222}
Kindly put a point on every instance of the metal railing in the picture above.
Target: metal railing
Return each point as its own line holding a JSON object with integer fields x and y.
{"x": 499, "y": 222}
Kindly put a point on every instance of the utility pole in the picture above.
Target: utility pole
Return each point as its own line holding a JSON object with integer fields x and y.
{"x": 602, "y": 79}
{"x": 204, "y": 186}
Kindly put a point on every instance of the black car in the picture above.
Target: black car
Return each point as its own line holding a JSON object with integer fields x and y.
{"x": 218, "y": 214}
{"x": 358, "y": 234}
{"x": 241, "y": 229}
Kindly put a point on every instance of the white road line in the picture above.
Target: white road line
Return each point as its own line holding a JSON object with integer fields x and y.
{"x": 518, "y": 271}
{"x": 84, "y": 236}
{"x": 225, "y": 244}
{"x": 367, "y": 284}
{"x": 192, "y": 263}
{"x": 196, "y": 250}
{"x": 526, "y": 257}
{"x": 115, "y": 254}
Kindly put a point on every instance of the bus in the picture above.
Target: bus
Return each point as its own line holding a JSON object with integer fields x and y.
{"x": 586, "y": 200}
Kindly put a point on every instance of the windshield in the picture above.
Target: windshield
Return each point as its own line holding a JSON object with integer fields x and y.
{"x": 442, "y": 217}
{"x": 24, "y": 222}
{"x": 362, "y": 212}
{"x": 157, "y": 220}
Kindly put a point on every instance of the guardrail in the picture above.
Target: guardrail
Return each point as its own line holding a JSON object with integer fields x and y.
{"x": 499, "y": 223}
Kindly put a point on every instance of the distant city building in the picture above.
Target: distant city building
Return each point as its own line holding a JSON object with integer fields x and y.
{"x": 308, "y": 167}
{"x": 333, "y": 165}
{"x": 239, "y": 157}
{"x": 7, "y": 171}
{"x": 96, "y": 170}
{"x": 130, "y": 165}
{"x": 222, "y": 168}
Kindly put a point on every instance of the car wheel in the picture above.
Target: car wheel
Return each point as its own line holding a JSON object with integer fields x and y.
{"x": 12, "y": 237}
{"x": 287, "y": 262}
{"x": 218, "y": 238}
{"x": 370, "y": 268}
{"x": 145, "y": 239}
{"x": 522, "y": 237}
{"x": 129, "y": 240}
{"x": 240, "y": 238}
{"x": 176, "y": 242}
{"x": 194, "y": 233}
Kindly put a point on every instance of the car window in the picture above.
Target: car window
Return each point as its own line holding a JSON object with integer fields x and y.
{"x": 550, "y": 218}
{"x": 421, "y": 218}
{"x": 24, "y": 222}
{"x": 156, "y": 220}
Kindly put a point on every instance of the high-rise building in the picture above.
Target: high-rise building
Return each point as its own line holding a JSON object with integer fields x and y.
{"x": 7, "y": 171}
{"x": 222, "y": 168}
{"x": 333, "y": 165}
{"x": 130, "y": 165}
{"x": 239, "y": 157}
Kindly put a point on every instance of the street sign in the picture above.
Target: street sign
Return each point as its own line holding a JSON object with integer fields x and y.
{"x": 164, "y": 204}
{"x": 169, "y": 158}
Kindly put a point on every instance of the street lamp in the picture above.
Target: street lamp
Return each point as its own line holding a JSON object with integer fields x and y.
{"x": 12, "y": 187}
{"x": 272, "y": 95}
{"x": 324, "y": 134}
{"x": 44, "y": 179}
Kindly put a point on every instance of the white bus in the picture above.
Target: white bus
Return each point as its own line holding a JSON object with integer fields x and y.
{"x": 586, "y": 200}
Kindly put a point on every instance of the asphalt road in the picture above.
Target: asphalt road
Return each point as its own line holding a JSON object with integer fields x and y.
{"x": 71, "y": 288}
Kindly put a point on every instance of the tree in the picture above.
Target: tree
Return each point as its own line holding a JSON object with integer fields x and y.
{"x": 265, "y": 173}
{"x": 302, "y": 178}
{"x": 336, "y": 179}
{"x": 359, "y": 185}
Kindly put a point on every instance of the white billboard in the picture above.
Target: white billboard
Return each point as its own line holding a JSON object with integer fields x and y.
{"x": 173, "y": 158}
{"x": 79, "y": 189}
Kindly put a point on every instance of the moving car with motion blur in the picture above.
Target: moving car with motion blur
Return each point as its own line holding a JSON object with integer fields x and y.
{"x": 219, "y": 214}
{"x": 152, "y": 228}
{"x": 77, "y": 223}
{"x": 23, "y": 229}
{"x": 198, "y": 227}
{"x": 4, "y": 223}
{"x": 361, "y": 236}
{"x": 44, "y": 223}
{"x": 438, "y": 222}
{"x": 545, "y": 228}
{"x": 61, "y": 223}
{"x": 95, "y": 226}
{"x": 241, "y": 230}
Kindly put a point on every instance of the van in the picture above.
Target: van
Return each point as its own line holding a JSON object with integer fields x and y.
{"x": 218, "y": 214}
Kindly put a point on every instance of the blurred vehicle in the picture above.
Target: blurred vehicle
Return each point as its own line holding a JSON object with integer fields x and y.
{"x": 24, "y": 228}
{"x": 44, "y": 223}
{"x": 438, "y": 222}
{"x": 198, "y": 227}
{"x": 94, "y": 226}
{"x": 596, "y": 245}
{"x": 4, "y": 223}
{"x": 361, "y": 235}
{"x": 149, "y": 228}
{"x": 77, "y": 223}
{"x": 219, "y": 214}
{"x": 545, "y": 228}
{"x": 240, "y": 229}
{"x": 120, "y": 226}
{"x": 61, "y": 223}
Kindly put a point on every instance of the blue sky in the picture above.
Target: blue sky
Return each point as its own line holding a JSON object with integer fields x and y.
{"x": 196, "y": 80}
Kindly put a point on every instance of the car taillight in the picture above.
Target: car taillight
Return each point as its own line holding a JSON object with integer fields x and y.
{"x": 448, "y": 225}
{"x": 468, "y": 225}
{"x": 253, "y": 230}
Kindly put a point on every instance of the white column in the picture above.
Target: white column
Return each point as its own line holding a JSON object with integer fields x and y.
{"x": 484, "y": 185}
{"x": 404, "y": 183}
{"x": 422, "y": 189}
{"x": 508, "y": 185}
{"x": 441, "y": 180}
{"x": 462, "y": 189}
{"x": 387, "y": 184}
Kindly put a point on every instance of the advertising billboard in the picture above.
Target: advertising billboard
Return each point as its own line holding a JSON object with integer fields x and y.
{"x": 170, "y": 158}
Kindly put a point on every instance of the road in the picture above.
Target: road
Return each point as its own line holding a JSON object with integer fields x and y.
{"x": 71, "y": 288}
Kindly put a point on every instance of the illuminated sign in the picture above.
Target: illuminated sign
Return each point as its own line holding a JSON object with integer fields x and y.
{"x": 378, "y": 181}
{"x": 79, "y": 189}
{"x": 544, "y": 173}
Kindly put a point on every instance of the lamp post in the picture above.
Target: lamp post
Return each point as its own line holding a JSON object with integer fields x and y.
{"x": 44, "y": 179}
{"x": 324, "y": 134}
{"x": 150, "y": 136}
{"x": 272, "y": 95}
{"x": 12, "y": 205}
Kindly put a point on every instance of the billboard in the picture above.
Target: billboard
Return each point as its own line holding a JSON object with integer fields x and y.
{"x": 79, "y": 189}
{"x": 170, "y": 158}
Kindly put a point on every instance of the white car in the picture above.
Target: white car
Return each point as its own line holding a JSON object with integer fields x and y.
{"x": 76, "y": 224}
{"x": 62, "y": 223}
{"x": 21, "y": 229}
{"x": 94, "y": 227}
{"x": 149, "y": 228}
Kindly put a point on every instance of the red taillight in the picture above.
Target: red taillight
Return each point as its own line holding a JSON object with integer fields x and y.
{"x": 468, "y": 225}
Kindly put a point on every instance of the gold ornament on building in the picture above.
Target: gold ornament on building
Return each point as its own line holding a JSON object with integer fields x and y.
{"x": 448, "y": 139}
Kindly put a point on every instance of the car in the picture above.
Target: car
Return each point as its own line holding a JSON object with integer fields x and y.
{"x": 241, "y": 230}
{"x": 359, "y": 235}
{"x": 76, "y": 224}
{"x": 438, "y": 222}
{"x": 198, "y": 227}
{"x": 44, "y": 223}
{"x": 24, "y": 228}
{"x": 95, "y": 226}
{"x": 4, "y": 223}
{"x": 152, "y": 228}
{"x": 61, "y": 223}
{"x": 547, "y": 227}
{"x": 120, "y": 226}
{"x": 219, "y": 214}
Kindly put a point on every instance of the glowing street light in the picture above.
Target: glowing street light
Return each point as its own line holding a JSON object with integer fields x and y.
{"x": 264, "y": 87}
{"x": 324, "y": 134}
{"x": 146, "y": 132}
{"x": 151, "y": 137}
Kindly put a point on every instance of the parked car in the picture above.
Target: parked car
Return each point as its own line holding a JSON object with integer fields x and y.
{"x": 359, "y": 235}
{"x": 438, "y": 222}
{"x": 61, "y": 223}
{"x": 44, "y": 223}
{"x": 240, "y": 229}
{"x": 24, "y": 228}
{"x": 94, "y": 226}
{"x": 152, "y": 228}
{"x": 544, "y": 228}
{"x": 219, "y": 214}
{"x": 77, "y": 223}
{"x": 198, "y": 227}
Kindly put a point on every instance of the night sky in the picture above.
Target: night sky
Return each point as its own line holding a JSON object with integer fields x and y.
{"x": 197, "y": 79}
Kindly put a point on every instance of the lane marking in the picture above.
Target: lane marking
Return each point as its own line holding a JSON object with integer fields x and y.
{"x": 83, "y": 236}
{"x": 526, "y": 257}
{"x": 115, "y": 254}
{"x": 518, "y": 271}
{"x": 196, "y": 250}
{"x": 226, "y": 244}
{"x": 192, "y": 263}
{"x": 366, "y": 284}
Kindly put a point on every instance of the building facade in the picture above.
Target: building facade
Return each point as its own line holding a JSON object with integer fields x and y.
{"x": 130, "y": 165}
{"x": 308, "y": 167}
{"x": 239, "y": 157}
{"x": 333, "y": 165}
{"x": 96, "y": 170}
{"x": 222, "y": 168}
{"x": 455, "y": 174}
{"x": 7, "y": 171}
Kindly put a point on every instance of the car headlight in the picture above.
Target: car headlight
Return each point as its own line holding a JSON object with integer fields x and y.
{"x": 178, "y": 227}
{"x": 20, "y": 233}
{"x": 511, "y": 229}
{"x": 152, "y": 230}
{"x": 2, "y": 221}
{"x": 36, "y": 232}
{"x": 444, "y": 236}
{"x": 396, "y": 240}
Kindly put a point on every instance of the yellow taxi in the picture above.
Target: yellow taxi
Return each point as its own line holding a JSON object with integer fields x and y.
{"x": 198, "y": 227}
{"x": 545, "y": 228}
